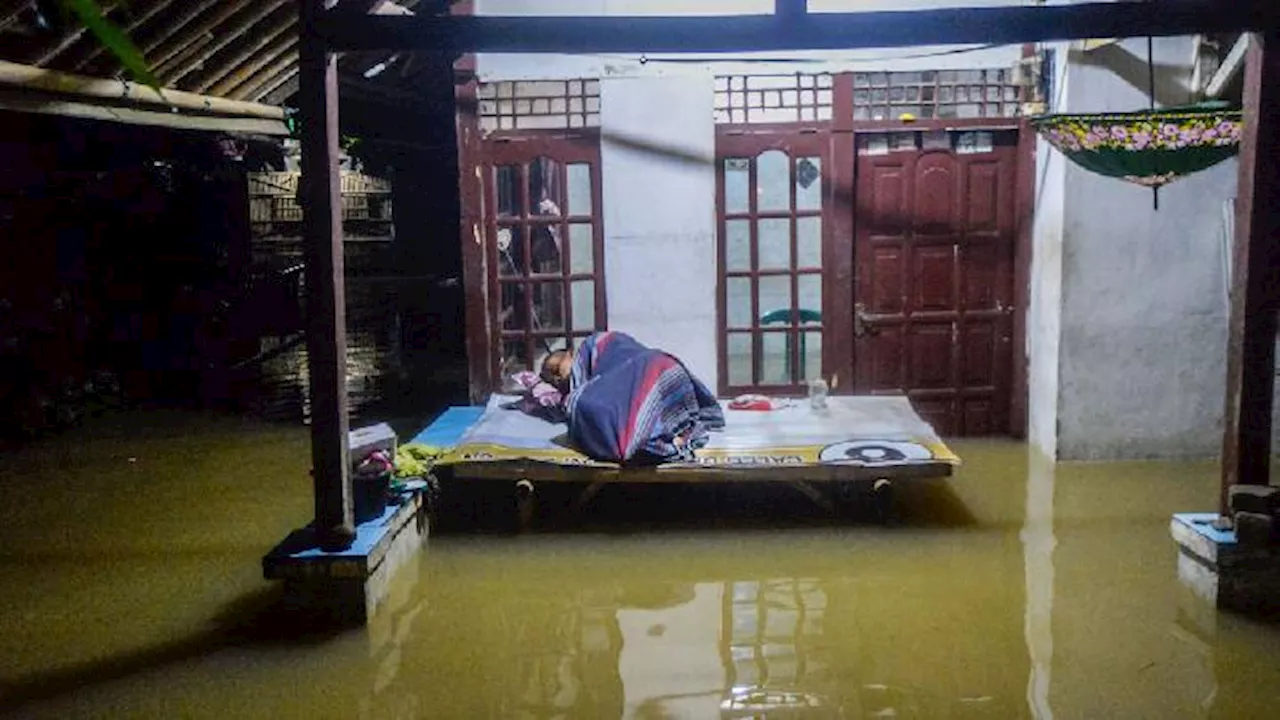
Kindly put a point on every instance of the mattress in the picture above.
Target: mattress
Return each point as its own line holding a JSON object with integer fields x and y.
{"x": 852, "y": 431}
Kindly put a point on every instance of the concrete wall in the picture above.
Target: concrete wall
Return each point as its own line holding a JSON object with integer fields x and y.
{"x": 1044, "y": 314}
{"x": 1126, "y": 340}
{"x": 660, "y": 217}
{"x": 1142, "y": 334}
{"x": 659, "y": 212}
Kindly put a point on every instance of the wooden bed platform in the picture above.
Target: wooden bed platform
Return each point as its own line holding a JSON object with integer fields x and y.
{"x": 872, "y": 441}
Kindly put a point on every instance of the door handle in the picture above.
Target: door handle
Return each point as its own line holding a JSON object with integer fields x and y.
{"x": 862, "y": 326}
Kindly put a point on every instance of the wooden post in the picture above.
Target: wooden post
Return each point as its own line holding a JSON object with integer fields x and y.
{"x": 326, "y": 314}
{"x": 790, "y": 10}
{"x": 1246, "y": 446}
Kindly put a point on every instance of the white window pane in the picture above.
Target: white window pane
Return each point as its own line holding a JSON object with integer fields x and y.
{"x": 738, "y": 302}
{"x": 775, "y": 298}
{"x": 773, "y": 181}
{"x": 581, "y": 249}
{"x": 809, "y": 242}
{"x": 579, "y": 189}
{"x": 739, "y": 356}
{"x": 809, "y": 288}
{"x": 775, "y": 359}
{"x": 809, "y": 183}
{"x": 811, "y": 350}
{"x": 584, "y": 304}
{"x": 775, "y": 243}
{"x": 736, "y": 185}
{"x": 737, "y": 244}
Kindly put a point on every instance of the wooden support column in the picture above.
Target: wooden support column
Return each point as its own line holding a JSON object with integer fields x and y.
{"x": 326, "y": 313}
{"x": 790, "y": 10}
{"x": 482, "y": 353}
{"x": 1246, "y": 446}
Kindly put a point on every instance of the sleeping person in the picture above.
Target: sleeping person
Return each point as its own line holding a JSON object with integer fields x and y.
{"x": 629, "y": 403}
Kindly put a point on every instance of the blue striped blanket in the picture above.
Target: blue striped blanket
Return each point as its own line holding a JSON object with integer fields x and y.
{"x": 632, "y": 404}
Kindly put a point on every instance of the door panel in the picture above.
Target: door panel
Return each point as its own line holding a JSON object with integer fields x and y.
{"x": 933, "y": 289}
{"x": 773, "y": 190}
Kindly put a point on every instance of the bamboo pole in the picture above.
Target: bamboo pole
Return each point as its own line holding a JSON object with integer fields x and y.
{"x": 199, "y": 43}
{"x": 222, "y": 38}
{"x": 11, "y": 12}
{"x": 62, "y": 44}
{"x": 243, "y": 73}
{"x": 193, "y": 11}
{"x": 40, "y": 79}
{"x": 210, "y": 76}
{"x": 27, "y": 102}
{"x": 93, "y": 50}
{"x": 179, "y": 42}
{"x": 260, "y": 84}
{"x": 280, "y": 90}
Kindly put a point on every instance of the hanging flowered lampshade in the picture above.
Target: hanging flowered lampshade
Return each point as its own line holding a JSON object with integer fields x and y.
{"x": 1150, "y": 148}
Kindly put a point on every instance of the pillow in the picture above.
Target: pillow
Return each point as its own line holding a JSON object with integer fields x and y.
{"x": 539, "y": 399}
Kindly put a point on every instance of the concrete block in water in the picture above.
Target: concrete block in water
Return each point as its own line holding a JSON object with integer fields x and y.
{"x": 1255, "y": 529}
{"x": 349, "y": 586}
{"x": 1264, "y": 499}
{"x": 1229, "y": 574}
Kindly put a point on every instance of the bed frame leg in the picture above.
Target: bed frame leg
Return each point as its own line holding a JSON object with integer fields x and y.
{"x": 526, "y": 503}
{"x": 882, "y": 498}
{"x": 811, "y": 492}
{"x": 587, "y": 494}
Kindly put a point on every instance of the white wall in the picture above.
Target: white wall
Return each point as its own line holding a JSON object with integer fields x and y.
{"x": 1044, "y": 314}
{"x": 660, "y": 215}
{"x": 1141, "y": 349}
{"x": 1126, "y": 326}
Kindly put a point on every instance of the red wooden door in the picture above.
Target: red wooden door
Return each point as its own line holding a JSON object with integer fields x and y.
{"x": 933, "y": 289}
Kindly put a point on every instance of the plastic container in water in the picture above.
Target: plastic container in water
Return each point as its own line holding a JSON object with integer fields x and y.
{"x": 818, "y": 394}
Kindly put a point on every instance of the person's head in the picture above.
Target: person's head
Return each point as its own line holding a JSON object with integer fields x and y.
{"x": 557, "y": 367}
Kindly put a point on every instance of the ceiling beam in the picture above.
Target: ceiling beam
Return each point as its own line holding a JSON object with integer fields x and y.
{"x": 280, "y": 89}
{"x": 288, "y": 21}
{"x": 43, "y": 55}
{"x": 191, "y": 11}
{"x": 93, "y": 50}
{"x": 259, "y": 84}
{"x": 180, "y": 43}
{"x": 1229, "y": 68}
{"x": 11, "y": 11}
{"x": 245, "y": 72}
{"x": 980, "y": 25}
{"x": 224, "y": 36}
{"x": 371, "y": 7}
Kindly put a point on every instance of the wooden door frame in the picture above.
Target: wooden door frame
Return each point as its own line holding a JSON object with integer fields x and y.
{"x": 506, "y": 147}
{"x": 750, "y": 141}
{"x": 845, "y": 139}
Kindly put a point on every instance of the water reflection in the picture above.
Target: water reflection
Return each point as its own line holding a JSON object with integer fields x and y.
{"x": 1054, "y": 594}
{"x": 1038, "y": 543}
{"x": 643, "y": 638}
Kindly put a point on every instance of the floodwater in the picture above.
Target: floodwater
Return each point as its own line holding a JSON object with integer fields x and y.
{"x": 130, "y": 586}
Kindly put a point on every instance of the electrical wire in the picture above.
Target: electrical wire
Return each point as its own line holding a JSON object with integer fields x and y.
{"x": 703, "y": 60}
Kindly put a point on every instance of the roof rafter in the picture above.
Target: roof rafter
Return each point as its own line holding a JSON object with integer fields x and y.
{"x": 179, "y": 67}
{"x": 287, "y": 20}
{"x": 93, "y": 50}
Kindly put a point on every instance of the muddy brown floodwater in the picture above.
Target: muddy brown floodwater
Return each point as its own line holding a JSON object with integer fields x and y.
{"x": 130, "y": 586}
